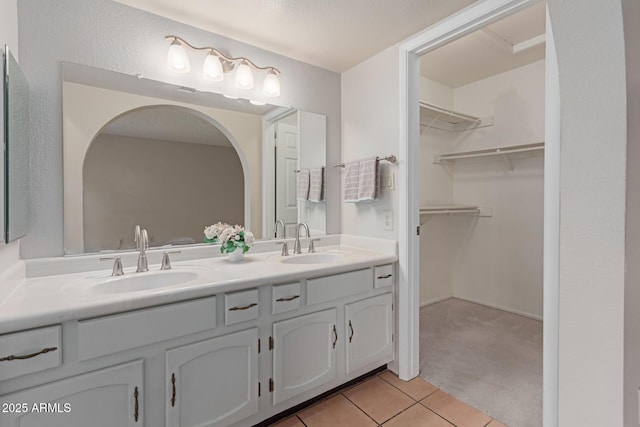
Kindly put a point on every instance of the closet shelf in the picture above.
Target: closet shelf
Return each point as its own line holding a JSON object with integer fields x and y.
{"x": 432, "y": 116}
{"x": 504, "y": 152}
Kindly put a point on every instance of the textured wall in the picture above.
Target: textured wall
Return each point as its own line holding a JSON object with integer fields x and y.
{"x": 591, "y": 64}
{"x": 109, "y": 35}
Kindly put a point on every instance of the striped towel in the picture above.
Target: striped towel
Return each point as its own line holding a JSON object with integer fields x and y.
{"x": 303, "y": 185}
{"x": 351, "y": 181}
{"x": 368, "y": 180}
{"x": 316, "y": 188}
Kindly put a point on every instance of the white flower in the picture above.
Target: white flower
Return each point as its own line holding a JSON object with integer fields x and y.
{"x": 237, "y": 237}
{"x": 249, "y": 239}
{"x": 210, "y": 232}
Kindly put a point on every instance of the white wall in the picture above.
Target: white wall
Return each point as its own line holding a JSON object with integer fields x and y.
{"x": 108, "y": 35}
{"x": 436, "y": 257}
{"x": 591, "y": 64}
{"x": 498, "y": 259}
{"x": 87, "y": 109}
{"x": 370, "y": 128}
{"x": 10, "y": 253}
{"x": 631, "y": 9}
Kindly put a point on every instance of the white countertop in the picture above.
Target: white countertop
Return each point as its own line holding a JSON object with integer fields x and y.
{"x": 38, "y": 301}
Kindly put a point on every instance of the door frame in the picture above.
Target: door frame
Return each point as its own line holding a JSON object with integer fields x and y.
{"x": 458, "y": 25}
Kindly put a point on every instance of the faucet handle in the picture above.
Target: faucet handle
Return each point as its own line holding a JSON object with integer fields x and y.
{"x": 117, "y": 265}
{"x": 166, "y": 262}
{"x": 312, "y": 248}
{"x": 285, "y": 248}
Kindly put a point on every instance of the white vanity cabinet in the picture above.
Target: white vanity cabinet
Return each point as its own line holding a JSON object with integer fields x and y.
{"x": 108, "y": 397}
{"x": 304, "y": 354}
{"x": 214, "y": 382}
{"x": 368, "y": 331}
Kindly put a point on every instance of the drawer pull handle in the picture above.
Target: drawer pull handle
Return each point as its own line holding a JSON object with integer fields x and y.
{"x": 385, "y": 277}
{"x": 335, "y": 334}
{"x": 350, "y": 328}
{"x": 136, "y": 410}
{"x": 173, "y": 390}
{"x": 27, "y": 356}
{"x": 291, "y": 298}
{"x": 246, "y": 307}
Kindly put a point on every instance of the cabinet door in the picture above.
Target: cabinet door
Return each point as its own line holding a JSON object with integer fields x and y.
{"x": 369, "y": 332}
{"x": 304, "y": 353}
{"x": 106, "y": 398}
{"x": 213, "y": 382}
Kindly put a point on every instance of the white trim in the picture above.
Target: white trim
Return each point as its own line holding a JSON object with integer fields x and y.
{"x": 500, "y": 307}
{"x": 435, "y": 300}
{"x": 466, "y": 21}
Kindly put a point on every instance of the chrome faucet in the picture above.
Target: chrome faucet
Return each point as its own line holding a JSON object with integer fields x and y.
{"x": 143, "y": 245}
{"x": 285, "y": 249}
{"x": 296, "y": 246}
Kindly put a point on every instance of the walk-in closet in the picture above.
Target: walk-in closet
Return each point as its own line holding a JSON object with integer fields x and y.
{"x": 482, "y": 130}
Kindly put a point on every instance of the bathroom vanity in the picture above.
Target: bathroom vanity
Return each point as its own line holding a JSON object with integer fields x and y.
{"x": 217, "y": 344}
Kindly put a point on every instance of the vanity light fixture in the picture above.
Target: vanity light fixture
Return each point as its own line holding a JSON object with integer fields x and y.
{"x": 216, "y": 64}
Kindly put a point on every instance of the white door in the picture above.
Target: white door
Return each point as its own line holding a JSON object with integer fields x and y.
{"x": 106, "y": 398}
{"x": 286, "y": 178}
{"x": 368, "y": 332}
{"x": 213, "y": 382}
{"x": 304, "y": 353}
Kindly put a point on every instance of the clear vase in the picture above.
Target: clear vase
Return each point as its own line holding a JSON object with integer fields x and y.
{"x": 235, "y": 256}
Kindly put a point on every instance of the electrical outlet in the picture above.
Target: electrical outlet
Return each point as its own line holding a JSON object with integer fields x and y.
{"x": 388, "y": 220}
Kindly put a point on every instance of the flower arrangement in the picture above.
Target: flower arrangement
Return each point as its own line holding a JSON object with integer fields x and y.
{"x": 212, "y": 232}
{"x": 234, "y": 237}
{"x": 230, "y": 237}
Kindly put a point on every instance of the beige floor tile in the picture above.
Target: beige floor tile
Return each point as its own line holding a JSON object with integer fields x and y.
{"x": 455, "y": 411}
{"x": 289, "y": 422}
{"x": 416, "y": 388}
{"x": 417, "y": 416}
{"x": 496, "y": 423}
{"x": 379, "y": 399}
{"x": 336, "y": 411}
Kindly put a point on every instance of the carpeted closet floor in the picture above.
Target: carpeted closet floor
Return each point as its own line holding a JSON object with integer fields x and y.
{"x": 487, "y": 358}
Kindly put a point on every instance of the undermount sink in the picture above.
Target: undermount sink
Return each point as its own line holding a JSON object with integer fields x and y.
{"x": 143, "y": 282}
{"x": 317, "y": 258}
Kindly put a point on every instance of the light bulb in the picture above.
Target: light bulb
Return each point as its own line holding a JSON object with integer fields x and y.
{"x": 177, "y": 59}
{"x": 213, "y": 68}
{"x": 271, "y": 85}
{"x": 244, "y": 76}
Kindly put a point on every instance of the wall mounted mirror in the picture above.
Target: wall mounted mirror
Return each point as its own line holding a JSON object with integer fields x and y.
{"x": 16, "y": 147}
{"x": 175, "y": 160}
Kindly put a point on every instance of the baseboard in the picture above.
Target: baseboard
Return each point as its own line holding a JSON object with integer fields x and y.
{"x": 434, "y": 300}
{"x": 500, "y": 307}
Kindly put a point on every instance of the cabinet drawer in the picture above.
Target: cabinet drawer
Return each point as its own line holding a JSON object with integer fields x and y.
{"x": 383, "y": 276}
{"x": 111, "y": 334}
{"x": 25, "y": 352}
{"x": 240, "y": 306}
{"x": 285, "y": 298}
{"x": 339, "y": 285}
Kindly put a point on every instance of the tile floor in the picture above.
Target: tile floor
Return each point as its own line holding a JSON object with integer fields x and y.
{"x": 385, "y": 400}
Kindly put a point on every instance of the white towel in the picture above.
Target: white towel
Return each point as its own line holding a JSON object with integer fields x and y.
{"x": 351, "y": 181}
{"x": 303, "y": 185}
{"x": 368, "y": 180}
{"x": 316, "y": 187}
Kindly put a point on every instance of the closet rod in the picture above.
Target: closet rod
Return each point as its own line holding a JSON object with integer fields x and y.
{"x": 450, "y": 113}
{"x": 298, "y": 170}
{"x": 390, "y": 159}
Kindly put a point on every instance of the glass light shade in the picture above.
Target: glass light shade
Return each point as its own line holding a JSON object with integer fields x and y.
{"x": 271, "y": 85}
{"x": 213, "y": 68}
{"x": 244, "y": 77}
{"x": 177, "y": 59}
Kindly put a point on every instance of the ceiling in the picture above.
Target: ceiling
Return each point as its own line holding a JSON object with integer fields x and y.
{"x": 332, "y": 34}
{"x": 489, "y": 51}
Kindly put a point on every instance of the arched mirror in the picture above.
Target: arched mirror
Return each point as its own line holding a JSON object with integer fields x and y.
{"x": 175, "y": 160}
{"x": 164, "y": 167}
